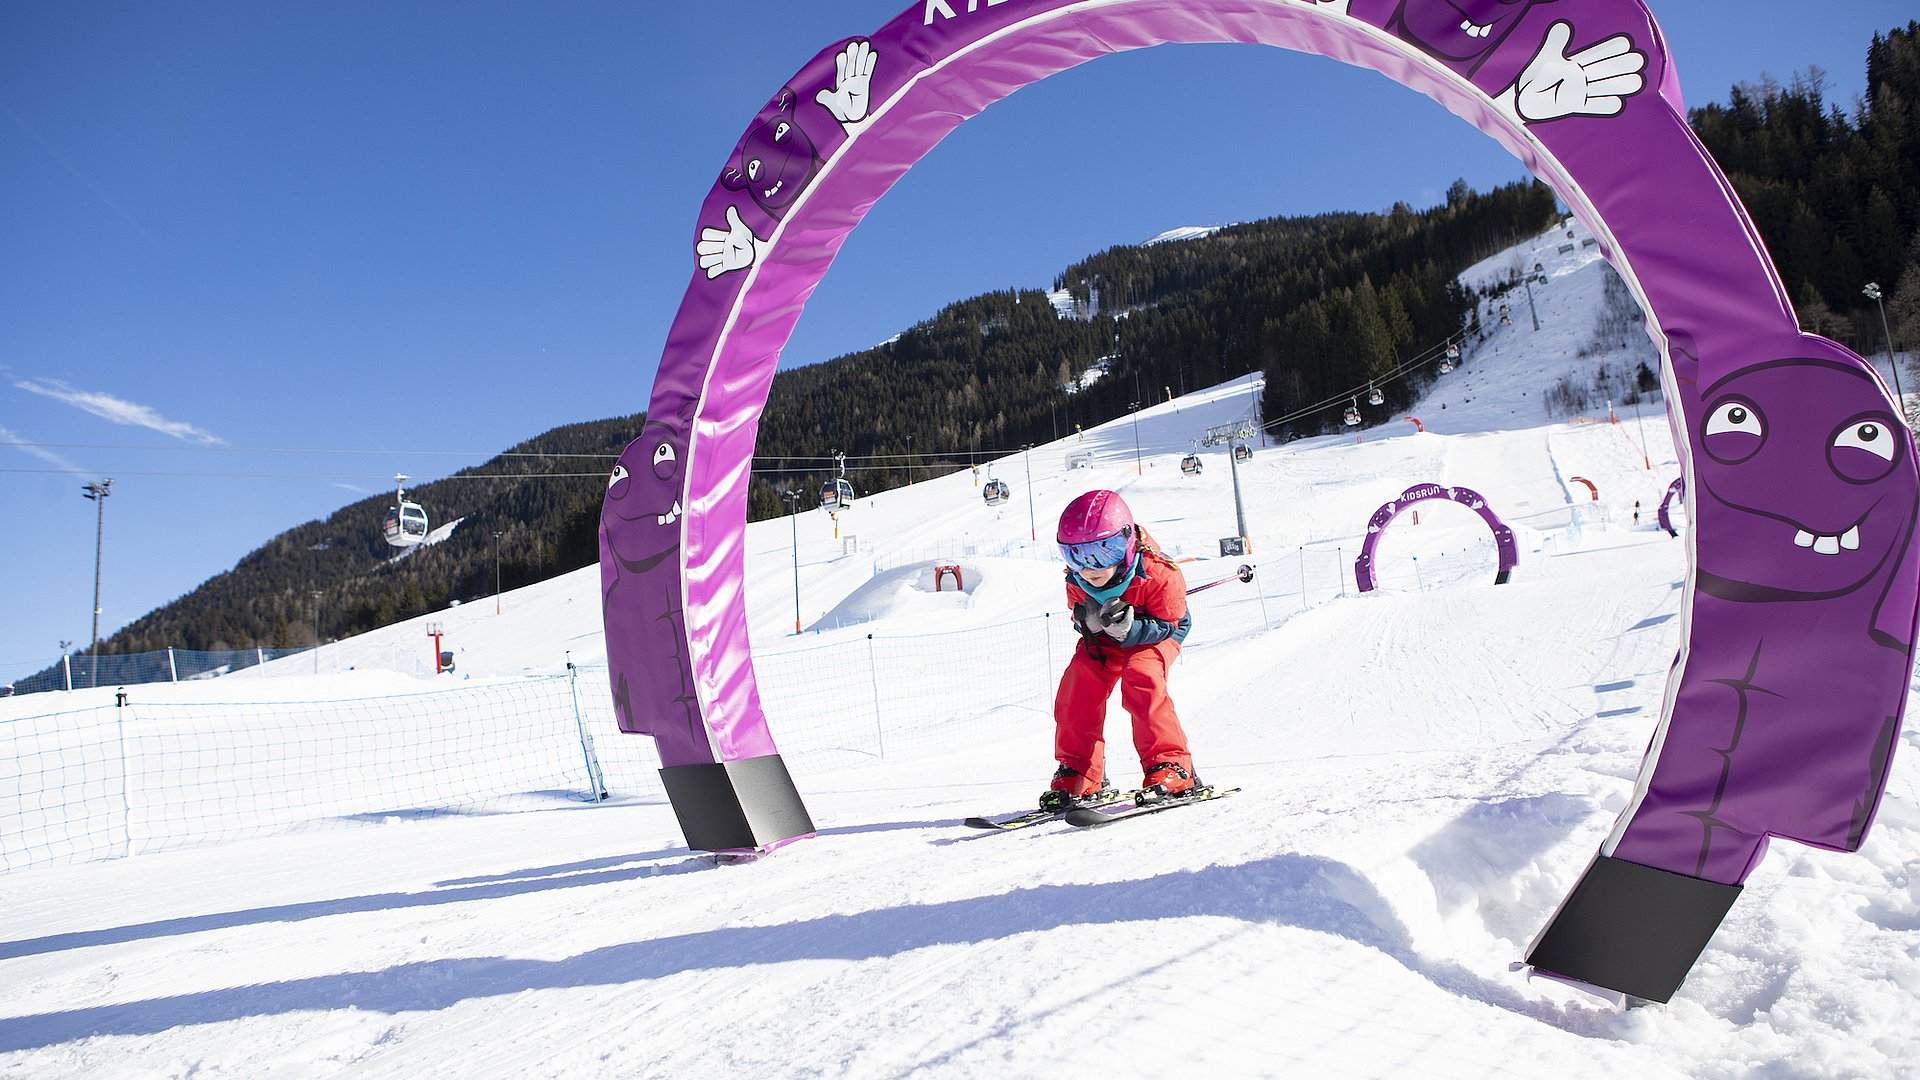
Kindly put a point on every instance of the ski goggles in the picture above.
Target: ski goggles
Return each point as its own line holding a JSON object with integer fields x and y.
{"x": 1098, "y": 554}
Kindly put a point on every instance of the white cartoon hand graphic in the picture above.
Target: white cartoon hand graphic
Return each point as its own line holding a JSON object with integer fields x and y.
{"x": 849, "y": 99}
{"x": 724, "y": 250}
{"x": 1591, "y": 82}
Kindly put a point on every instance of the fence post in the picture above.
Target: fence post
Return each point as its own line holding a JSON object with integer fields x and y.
{"x": 172, "y": 670}
{"x": 595, "y": 778}
{"x": 1340, "y": 554}
{"x": 1260, "y": 592}
{"x": 873, "y": 676}
{"x": 120, "y": 736}
{"x": 258, "y": 656}
{"x": 66, "y": 665}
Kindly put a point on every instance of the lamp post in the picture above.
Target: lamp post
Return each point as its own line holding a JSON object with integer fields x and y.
{"x": 1872, "y": 292}
{"x": 496, "y": 571}
{"x": 1138, "y": 468}
{"x": 1033, "y": 528}
{"x": 1646, "y": 456}
{"x": 316, "y": 631}
{"x": 792, "y": 496}
{"x": 97, "y": 491}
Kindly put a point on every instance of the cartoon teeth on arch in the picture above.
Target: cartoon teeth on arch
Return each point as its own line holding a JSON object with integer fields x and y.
{"x": 1463, "y": 32}
{"x": 640, "y": 516}
{"x": 1594, "y": 80}
{"x": 776, "y": 159}
{"x": 1845, "y": 522}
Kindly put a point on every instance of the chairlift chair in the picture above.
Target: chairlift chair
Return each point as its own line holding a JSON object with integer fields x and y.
{"x": 405, "y": 524}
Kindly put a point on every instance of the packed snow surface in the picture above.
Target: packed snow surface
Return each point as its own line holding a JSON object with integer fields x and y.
{"x": 1426, "y": 770}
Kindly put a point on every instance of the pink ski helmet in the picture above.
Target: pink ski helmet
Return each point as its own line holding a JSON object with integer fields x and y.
{"x": 1096, "y": 531}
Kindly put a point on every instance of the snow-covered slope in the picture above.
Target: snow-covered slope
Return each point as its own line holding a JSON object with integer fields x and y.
{"x": 1426, "y": 771}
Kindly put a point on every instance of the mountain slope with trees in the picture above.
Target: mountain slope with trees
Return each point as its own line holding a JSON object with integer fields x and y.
{"x": 1318, "y": 304}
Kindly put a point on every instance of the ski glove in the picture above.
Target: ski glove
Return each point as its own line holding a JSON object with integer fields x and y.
{"x": 1087, "y": 619}
{"x": 1117, "y": 618}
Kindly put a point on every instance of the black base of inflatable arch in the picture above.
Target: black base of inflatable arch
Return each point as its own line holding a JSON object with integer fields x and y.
{"x": 740, "y": 805}
{"x": 1632, "y": 928}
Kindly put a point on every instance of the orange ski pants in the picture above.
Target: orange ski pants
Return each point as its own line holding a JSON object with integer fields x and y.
{"x": 1080, "y": 708}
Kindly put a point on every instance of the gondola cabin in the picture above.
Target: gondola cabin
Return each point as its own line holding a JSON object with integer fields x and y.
{"x": 1190, "y": 465}
{"x": 405, "y": 525}
{"x": 1352, "y": 418}
{"x": 1446, "y": 366}
{"x": 1375, "y": 397}
{"x": 1241, "y": 451}
{"x": 835, "y": 496}
{"x": 995, "y": 492}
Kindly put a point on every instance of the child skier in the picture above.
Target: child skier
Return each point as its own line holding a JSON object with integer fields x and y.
{"x": 1129, "y": 604}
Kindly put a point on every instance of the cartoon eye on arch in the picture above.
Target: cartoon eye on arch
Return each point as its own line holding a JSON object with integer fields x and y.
{"x": 753, "y": 169}
{"x": 1864, "y": 449}
{"x": 1734, "y": 432}
{"x": 664, "y": 461}
{"x": 780, "y": 131}
{"x": 619, "y": 475}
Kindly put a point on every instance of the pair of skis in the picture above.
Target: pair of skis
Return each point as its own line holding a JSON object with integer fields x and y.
{"x": 1118, "y": 806}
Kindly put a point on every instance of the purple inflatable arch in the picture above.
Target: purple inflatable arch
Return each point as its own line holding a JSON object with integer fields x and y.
{"x": 1784, "y": 704}
{"x": 1509, "y": 552}
{"x": 1675, "y": 490}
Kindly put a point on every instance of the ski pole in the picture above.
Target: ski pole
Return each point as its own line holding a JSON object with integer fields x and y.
{"x": 1245, "y": 573}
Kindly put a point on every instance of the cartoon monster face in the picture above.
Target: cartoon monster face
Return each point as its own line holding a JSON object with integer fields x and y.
{"x": 1800, "y": 481}
{"x": 775, "y": 159}
{"x": 1460, "y": 30}
{"x": 640, "y": 516}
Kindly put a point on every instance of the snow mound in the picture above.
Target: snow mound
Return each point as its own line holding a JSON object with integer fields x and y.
{"x": 975, "y": 590}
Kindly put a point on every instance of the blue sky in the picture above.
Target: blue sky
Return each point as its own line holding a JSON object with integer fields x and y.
{"x": 260, "y": 257}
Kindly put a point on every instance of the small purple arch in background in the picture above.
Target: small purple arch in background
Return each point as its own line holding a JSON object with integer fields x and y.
{"x": 1377, "y": 525}
{"x": 1675, "y": 490}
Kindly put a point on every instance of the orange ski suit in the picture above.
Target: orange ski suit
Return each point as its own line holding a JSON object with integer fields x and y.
{"x": 1158, "y": 595}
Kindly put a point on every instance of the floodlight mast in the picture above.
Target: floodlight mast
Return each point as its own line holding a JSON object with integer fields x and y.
{"x": 1872, "y": 292}
{"x": 97, "y": 491}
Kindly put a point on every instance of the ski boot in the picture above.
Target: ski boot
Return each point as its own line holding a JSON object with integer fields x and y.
{"x": 1070, "y": 790}
{"x": 1164, "y": 781}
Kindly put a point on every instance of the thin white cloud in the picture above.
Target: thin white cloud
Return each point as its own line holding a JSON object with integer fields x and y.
{"x": 355, "y": 488}
{"x": 120, "y": 411}
{"x": 41, "y": 452}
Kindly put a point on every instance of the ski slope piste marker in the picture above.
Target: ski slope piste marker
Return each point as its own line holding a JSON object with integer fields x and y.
{"x": 1801, "y": 494}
